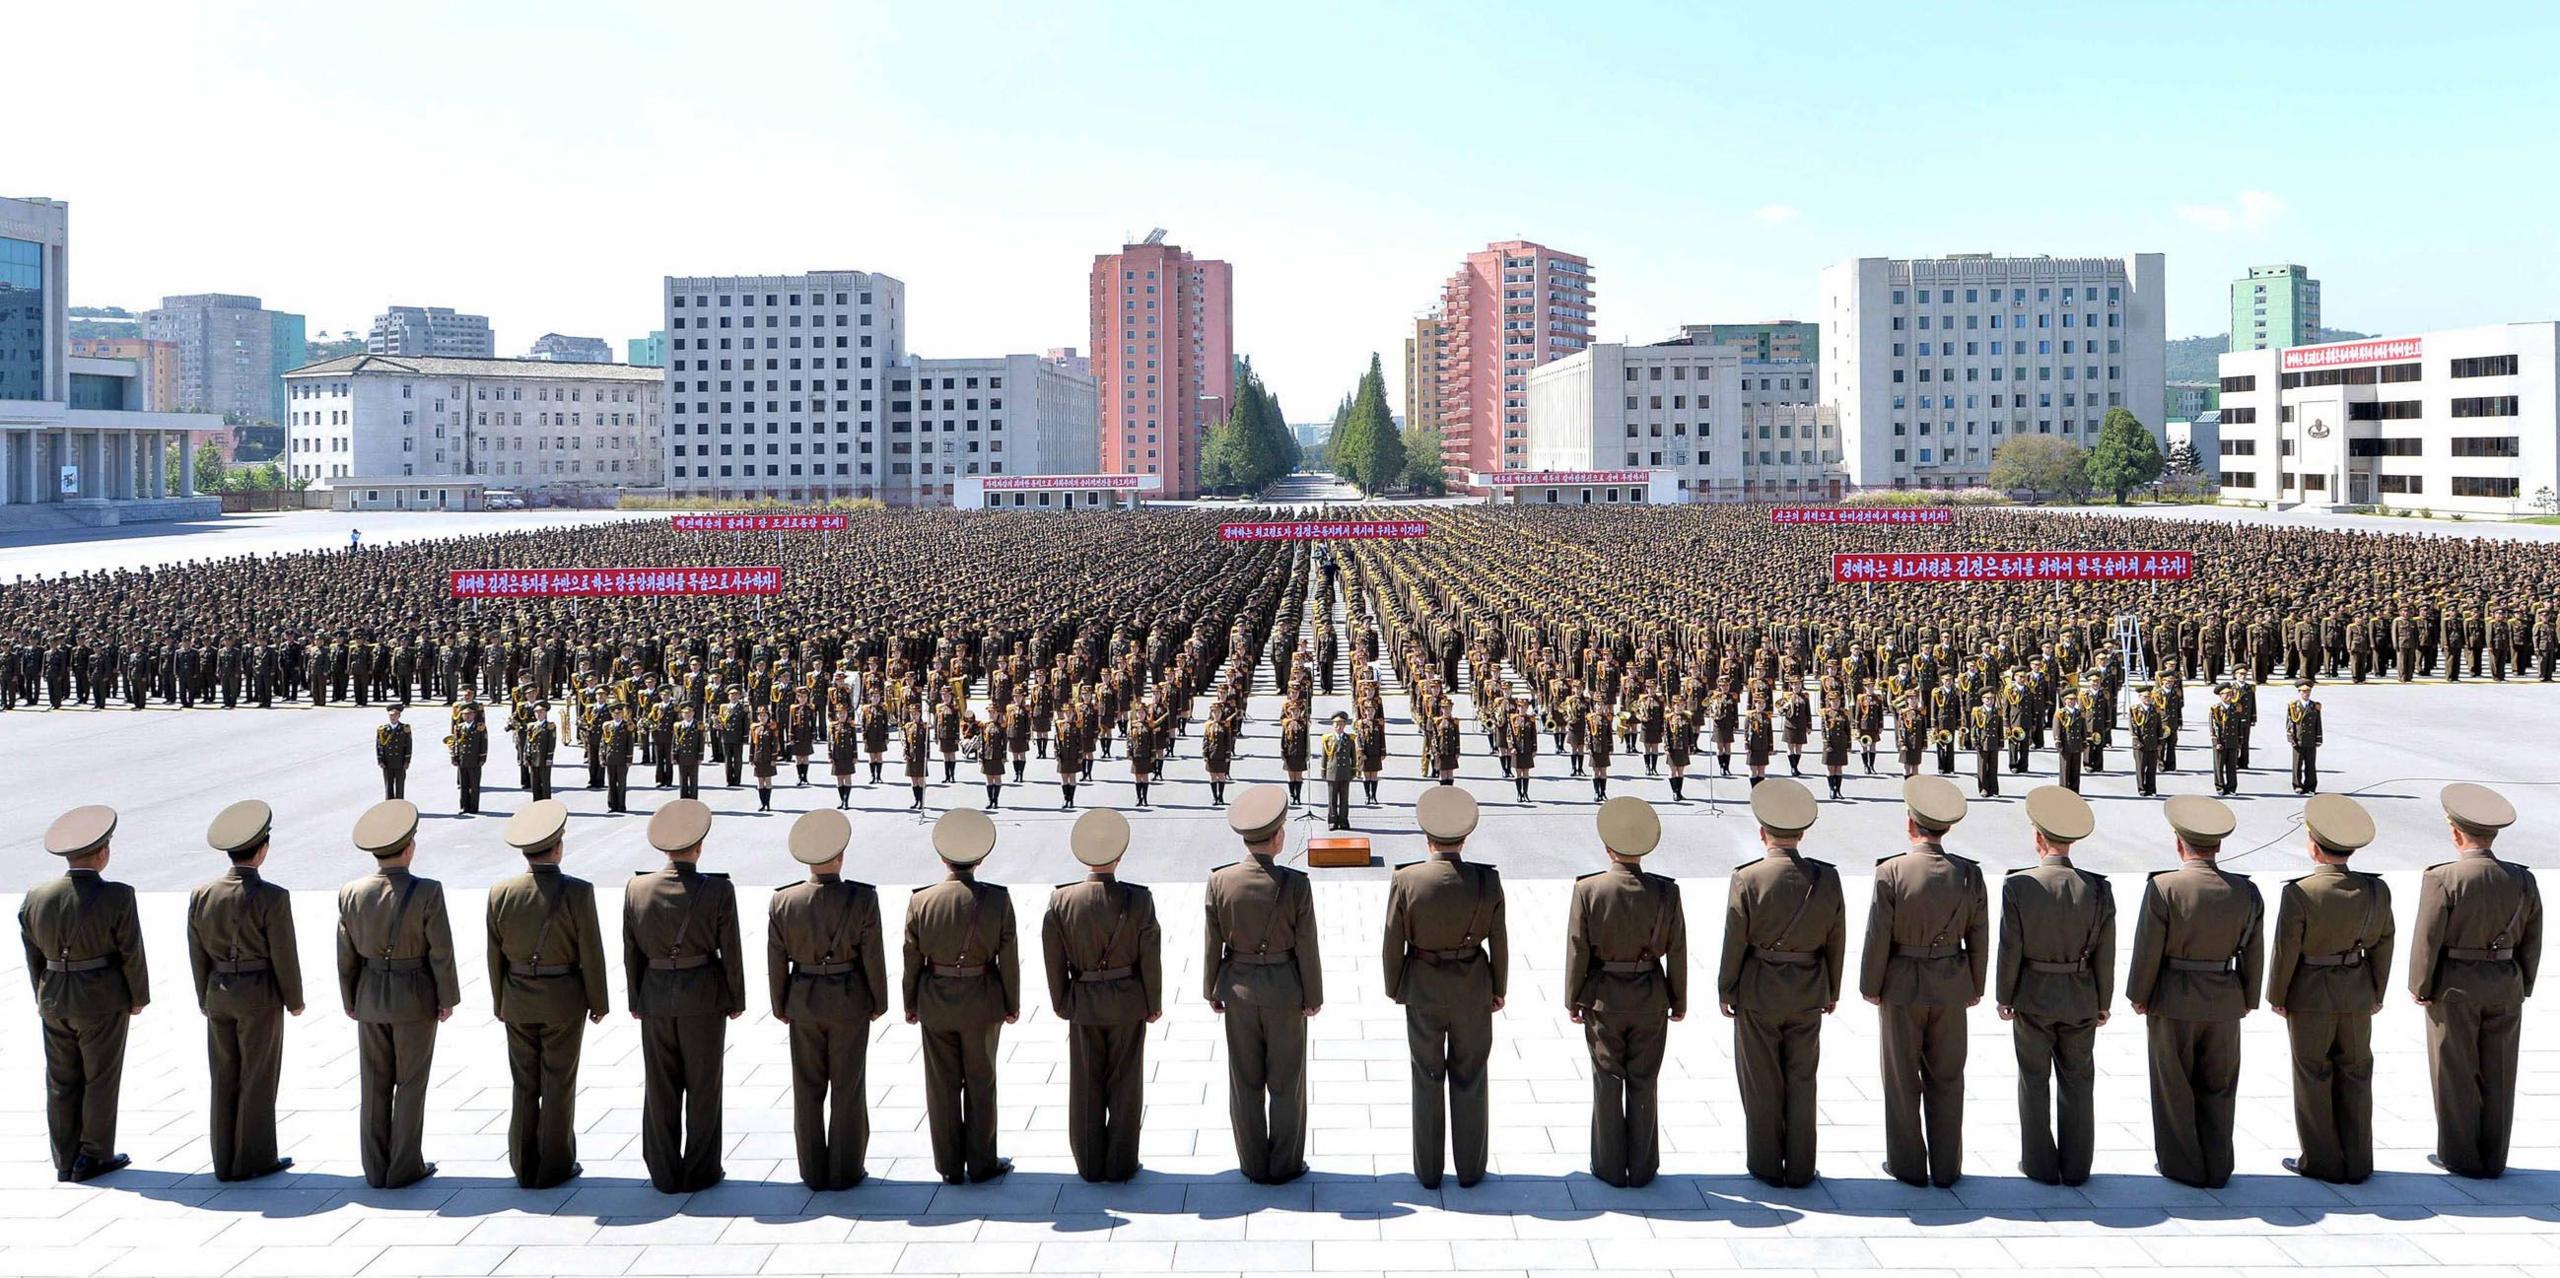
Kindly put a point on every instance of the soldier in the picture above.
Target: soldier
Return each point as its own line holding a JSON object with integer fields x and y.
{"x": 2142, "y": 723}
{"x": 687, "y": 743}
{"x": 963, "y": 985}
{"x": 396, "y": 981}
{"x": 658, "y": 733}
{"x": 733, "y": 725}
{"x": 2474, "y": 952}
{"x": 2198, "y": 956}
{"x": 1341, "y": 764}
{"x": 1926, "y": 956}
{"x": 248, "y": 976}
{"x": 1261, "y": 970}
{"x": 828, "y": 980}
{"x": 2056, "y": 984}
{"x": 468, "y": 746}
{"x": 2332, "y": 964}
{"x": 1987, "y": 730}
{"x": 391, "y": 750}
{"x": 2070, "y": 740}
{"x": 1835, "y": 745}
{"x": 1626, "y": 956}
{"x": 1103, "y": 951}
{"x": 2302, "y": 729}
{"x": 1448, "y": 962}
{"x": 844, "y": 755}
{"x": 546, "y": 972}
{"x": 1786, "y": 947}
{"x": 83, "y": 941}
{"x": 540, "y": 741}
{"x": 614, "y": 749}
{"x": 2228, "y": 732}
{"x": 686, "y": 980}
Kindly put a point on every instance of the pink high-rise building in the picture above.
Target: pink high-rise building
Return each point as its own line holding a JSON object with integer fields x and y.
{"x": 1163, "y": 329}
{"x": 1510, "y": 308}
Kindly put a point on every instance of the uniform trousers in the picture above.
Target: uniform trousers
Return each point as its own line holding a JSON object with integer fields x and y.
{"x": 466, "y": 780}
{"x": 830, "y": 1102}
{"x": 1923, "y": 1054}
{"x": 689, "y": 779}
{"x": 2057, "y": 1078}
{"x": 392, "y": 1063}
{"x": 1775, "y": 1056}
{"x": 542, "y": 1136}
{"x": 2333, "y": 1093}
{"x": 395, "y": 782}
{"x": 2195, "y": 1083}
{"x": 83, "y": 1075}
{"x": 1626, "y": 1072}
{"x": 1106, "y": 1098}
{"x": 960, "y": 1098}
{"x": 617, "y": 786}
{"x": 2471, "y": 1059}
{"x": 1450, "y": 1047}
{"x": 2306, "y": 768}
{"x": 680, "y": 1100}
{"x": 1267, "y": 1090}
{"x": 1337, "y": 804}
{"x": 246, "y": 1051}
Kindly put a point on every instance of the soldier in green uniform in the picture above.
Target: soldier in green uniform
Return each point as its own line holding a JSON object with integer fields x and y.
{"x": 1341, "y": 766}
{"x": 2198, "y": 955}
{"x": 1926, "y": 957}
{"x": 828, "y": 979}
{"x": 2302, "y": 729}
{"x": 686, "y": 980}
{"x": 614, "y": 747}
{"x": 468, "y": 746}
{"x": 547, "y": 978}
{"x": 2332, "y": 964}
{"x": 1786, "y": 946}
{"x": 1987, "y": 729}
{"x": 1626, "y": 959}
{"x": 963, "y": 985}
{"x": 391, "y": 749}
{"x": 2142, "y": 723}
{"x": 2474, "y": 952}
{"x": 248, "y": 978}
{"x": 1104, "y": 954}
{"x": 2228, "y": 731}
{"x": 83, "y": 940}
{"x": 1447, "y": 961}
{"x": 687, "y": 743}
{"x": 396, "y": 980}
{"x": 2055, "y": 988}
{"x": 540, "y": 741}
{"x": 1262, "y": 972}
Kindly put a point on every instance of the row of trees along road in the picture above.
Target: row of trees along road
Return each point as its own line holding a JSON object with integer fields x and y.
{"x": 1253, "y": 446}
{"x": 1367, "y": 451}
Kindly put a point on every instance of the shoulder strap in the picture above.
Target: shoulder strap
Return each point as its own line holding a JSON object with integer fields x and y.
{"x": 1659, "y": 939}
{"x": 399, "y": 915}
{"x": 840, "y": 943}
{"x": 1811, "y": 891}
{"x": 2524, "y": 899}
{"x": 1279, "y": 904}
{"x": 1118, "y": 894}
{"x": 559, "y": 910}
{"x": 1964, "y": 901}
{"x": 1476, "y": 913}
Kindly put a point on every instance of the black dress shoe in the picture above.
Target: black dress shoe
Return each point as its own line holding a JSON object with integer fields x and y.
{"x": 279, "y": 1167}
{"x": 89, "y": 1169}
{"x": 954, "y": 1178}
{"x": 1287, "y": 1176}
{"x": 1469, "y": 1182}
{"x": 2294, "y": 1165}
{"x": 714, "y": 1179}
{"x": 1003, "y": 1165}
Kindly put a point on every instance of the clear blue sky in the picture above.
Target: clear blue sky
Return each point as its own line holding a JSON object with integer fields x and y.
{"x": 546, "y": 163}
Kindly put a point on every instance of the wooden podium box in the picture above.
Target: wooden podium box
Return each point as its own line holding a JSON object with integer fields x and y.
{"x": 1339, "y": 852}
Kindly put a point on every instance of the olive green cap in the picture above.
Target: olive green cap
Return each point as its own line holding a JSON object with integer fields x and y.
{"x": 1100, "y": 836}
{"x": 1934, "y": 802}
{"x": 537, "y": 827}
{"x": 387, "y": 827}
{"x": 2340, "y": 824}
{"x": 680, "y": 825}
{"x": 240, "y": 827}
{"x": 1258, "y": 813}
{"x": 964, "y": 836}
{"x": 80, "y": 831}
{"x": 2059, "y": 814}
{"x": 2477, "y": 807}
{"x": 820, "y": 836}
{"x": 2201, "y": 822}
{"x": 1629, "y": 826}
{"x": 1446, "y": 813}
{"x": 1783, "y": 806}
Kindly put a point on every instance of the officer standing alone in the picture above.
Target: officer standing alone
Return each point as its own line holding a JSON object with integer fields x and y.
{"x": 1626, "y": 957}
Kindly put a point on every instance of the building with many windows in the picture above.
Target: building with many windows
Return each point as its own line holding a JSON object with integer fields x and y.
{"x": 1011, "y": 415}
{"x": 430, "y": 330}
{"x": 565, "y": 349}
{"x": 2274, "y": 306}
{"x": 156, "y": 363}
{"x": 530, "y": 425}
{"x": 647, "y": 352}
{"x": 1768, "y": 339}
{"x": 1508, "y": 310}
{"x": 233, "y": 352}
{"x": 2461, "y": 420}
{"x": 1422, "y": 374}
{"x": 1683, "y": 409}
{"x": 776, "y": 387}
{"x": 1933, "y": 363}
{"x": 1162, "y": 324}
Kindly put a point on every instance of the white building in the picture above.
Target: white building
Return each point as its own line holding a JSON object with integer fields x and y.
{"x": 522, "y": 424}
{"x": 566, "y": 349}
{"x": 430, "y": 330}
{"x": 1933, "y": 363}
{"x": 2203, "y": 433}
{"x": 1682, "y": 409}
{"x": 2462, "y": 420}
{"x": 1001, "y": 415}
{"x": 774, "y": 387}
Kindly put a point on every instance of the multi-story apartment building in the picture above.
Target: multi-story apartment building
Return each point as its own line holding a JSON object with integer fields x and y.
{"x": 776, "y": 387}
{"x": 2460, "y": 420}
{"x": 1508, "y": 309}
{"x": 1422, "y": 374}
{"x": 232, "y": 352}
{"x": 156, "y": 363}
{"x": 1933, "y": 363}
{"x": 515, "y": 423}
{"x": 2274, "y": 306}
{"x": 1683, "y": 408}
{"x": 430, "y": 330}
{"x": 647, "y": 352}
{"x": 1768, "y": 339}
{"x": 1162, "y": 329}
{"x": 565, "y": 349}
{"x": 1001, "y": 415}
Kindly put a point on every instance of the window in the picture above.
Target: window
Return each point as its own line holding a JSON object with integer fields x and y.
{"x": 2386, "y": 448}
{"x": 2485, "y": 366}
{"x": 2409, "y": 485}
{"x": 2485, "y": 406}
{"x": 2389, "y": 410}
{"x": 2400, "y": 373}
{"x": 2239, "y": 416}
{"x": 2239, "y": 448}
{"x": 2486, "y": 446}
{"x": 2483, "y": 486}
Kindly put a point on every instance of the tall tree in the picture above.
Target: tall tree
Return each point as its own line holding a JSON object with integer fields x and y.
{"x": 1346, "y": 454}
{"x": 1381, "y": 448}
{"x": 2125, "y": 457}
{"x": 211, "y": 471}
{"x": 1422, "y": 472}
{"x": 2043, "y": 463}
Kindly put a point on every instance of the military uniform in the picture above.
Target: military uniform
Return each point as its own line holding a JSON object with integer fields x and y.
{"x": 686, "y": 979}
{"x": 1626, "y": 957}
{"x": 686, "y": 741}
{"x": 1262, "y": 971}
{"x": 828, "y": 980}
{"x": 547, "y": 978}
{"x": 1341, "y": 767}
{"x": 2198, "y": 956}
{"x": 396, "y": 981}
{"x": 962, "y": 984}
{"x": 1785, "y": 951}
{"x": 248, "y": 975}
{"x": 1926, "y": 956}
{"x": 1102, "y": 949}
{"x": 83, "y": 940}
{"x": 2056, "y": 982}
{"x": 2332, "y": 963}
{"x": 391, "y": 750}
{"x": 2474, "y": 952}
{"x": 1447, "y": 960}
{"x": 2302, "y": 729}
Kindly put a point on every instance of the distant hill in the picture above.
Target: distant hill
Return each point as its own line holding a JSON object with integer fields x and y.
{"x": 2191, "y": 359}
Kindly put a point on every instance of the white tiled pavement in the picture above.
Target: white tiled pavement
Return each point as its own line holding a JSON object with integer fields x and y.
{"x": 1359, "y": 1213}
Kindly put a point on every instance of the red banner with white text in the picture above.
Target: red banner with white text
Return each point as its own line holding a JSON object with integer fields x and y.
{"x": 1888, "y": 515}
{"x": 2017, "y": 565}
{"x": 834, "y": 522}
{"x": 1325, "y": 530}
{"x": 591, "y": 583}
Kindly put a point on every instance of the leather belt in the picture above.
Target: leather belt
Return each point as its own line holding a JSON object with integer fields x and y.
{"x": 2073, "y": 967}
{"x": 77, "y": 965}
{"x": 1106, "y": 974}
{"x": 1634, "y": 968}
{"x": 822, "y": 969}
{"x": 229, "y": 968}
{"x": 396, "y": 964}
{"x": 2355, "y": 959}
{"x": 1458, "y": 955}
{"x": 2482, "y": 956}
{"x": 957, "y": 969}
{"x": 1270, "y": 959}
{"x": 685, "y": 964}
{"x": 1927, "y": 951}
{"x": 2199, "y": 965}
{"x": 1785, "y": 958}
{"x": 541, "y": 969}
